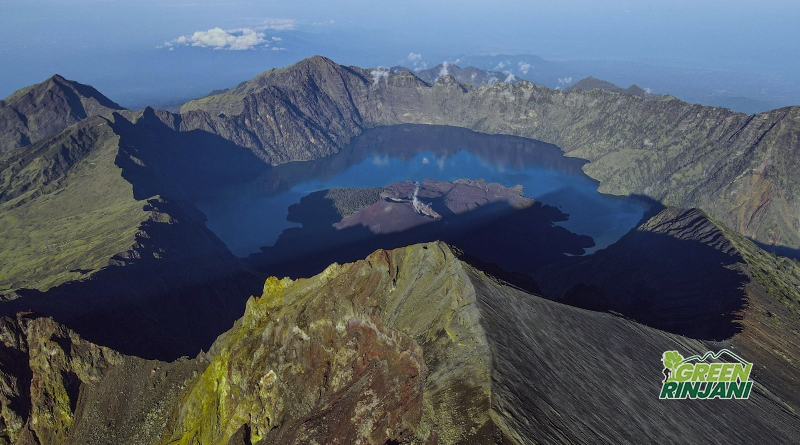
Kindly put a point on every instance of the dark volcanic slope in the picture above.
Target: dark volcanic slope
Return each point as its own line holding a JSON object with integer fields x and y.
{"x": 684, "y": 272}
{"x": 743, "y": 169}
{"x": 40, "y": 110}
{"x": 417, "y": 347}
{"x": 677, "y": 271}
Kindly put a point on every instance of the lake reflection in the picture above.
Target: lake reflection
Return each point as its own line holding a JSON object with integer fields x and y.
{"x": 251, "y": 215}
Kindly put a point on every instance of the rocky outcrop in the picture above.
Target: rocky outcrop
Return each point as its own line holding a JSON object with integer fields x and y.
{"x": 40, "y": 110}
{"x": 502, "y": 365}
{"x": 57, "y": 388}
{"x": 468, "y": 76}
{"x": 411, "y": 345}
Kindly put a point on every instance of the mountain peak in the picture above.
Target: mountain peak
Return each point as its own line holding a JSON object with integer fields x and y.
{"x": 592, "y": 83}
{"x": 37, "y": 111}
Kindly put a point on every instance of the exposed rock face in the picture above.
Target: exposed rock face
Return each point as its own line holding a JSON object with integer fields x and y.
{"x": 293, "y": 375}
{"x": 743, "y": 169}
{"x": 468, "y": 76}
{"x": 60, "y": 389}
{"x": 501, "y": 364}
{"x": 40, "y": 110}
{"x": 44, "y": 367}
{"x": 411, "y": 345}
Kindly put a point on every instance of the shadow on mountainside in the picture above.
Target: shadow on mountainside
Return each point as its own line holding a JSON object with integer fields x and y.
{"x": 684, "y": 286}
{"x": 516, "y": 240}
{"x": 158, "y": 159}
{"x": 170, "y": 296}
{"x": 178, "y": 287}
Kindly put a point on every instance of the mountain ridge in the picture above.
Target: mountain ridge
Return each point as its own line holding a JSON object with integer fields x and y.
{"x": 439, "y": 350}
{"x": 741, "y": 168}
{"x": 315, "y": 107}
{"x": 38, "y": 111}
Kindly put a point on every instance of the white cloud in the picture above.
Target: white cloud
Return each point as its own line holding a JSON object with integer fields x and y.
{"x": 218, "y": 38}
{"x": 278, "y": 48}
{"x": 378, "y": 73}
{"x": 414, "y": 56}
{"x": 443, "y": 72}
{"x": 500, "y": 66}
{"x": 421, "y": 66}
{"x": 235, "y": 39}
{"x": 524, "y": 67}
{"x": 509, "y": 77}
{"x": 492, "y": 80}
{"x": 563, "y": 81}
{"x": 278, "y": 24}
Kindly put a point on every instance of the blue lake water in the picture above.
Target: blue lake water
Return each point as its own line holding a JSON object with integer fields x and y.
{"x": 248, "y": 216}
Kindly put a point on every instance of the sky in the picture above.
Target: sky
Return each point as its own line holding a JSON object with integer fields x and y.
{"x": 138, "y": 51}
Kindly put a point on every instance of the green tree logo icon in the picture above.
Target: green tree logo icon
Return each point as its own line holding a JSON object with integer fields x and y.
{"x": 671, "y": 360}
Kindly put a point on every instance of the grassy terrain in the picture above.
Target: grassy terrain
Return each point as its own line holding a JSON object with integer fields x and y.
{"x": 64, "y": 229}
{"x": 780, "y": 276}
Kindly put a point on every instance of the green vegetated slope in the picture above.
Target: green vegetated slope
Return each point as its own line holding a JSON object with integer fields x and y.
{"x": 38, "y": 111}
{"x": 743, "y": 169}
{"x": 74, "y": 200}
{"x": 93, "y": 234}
{"x": 410, "y": 345}
{"x": 65, "y": 208}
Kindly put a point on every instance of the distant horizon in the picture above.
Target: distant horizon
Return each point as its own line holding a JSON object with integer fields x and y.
{"x": 154, "y": 52}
